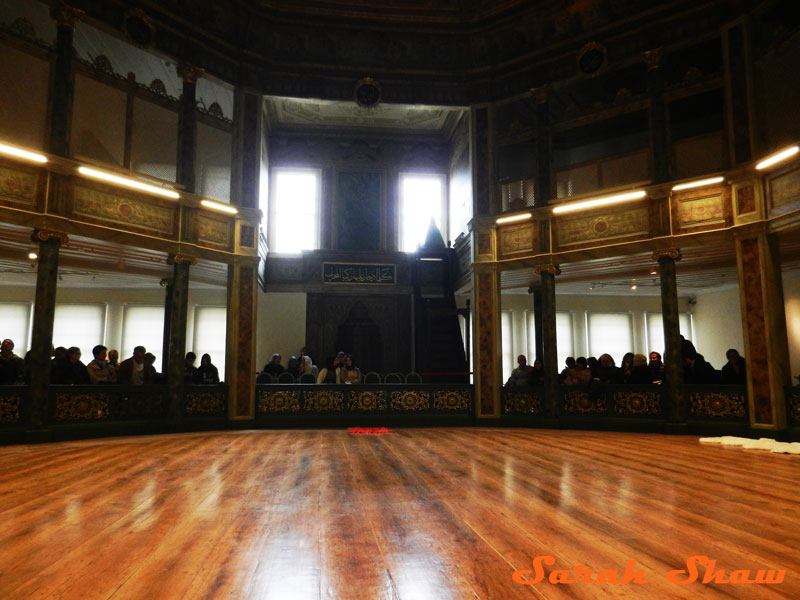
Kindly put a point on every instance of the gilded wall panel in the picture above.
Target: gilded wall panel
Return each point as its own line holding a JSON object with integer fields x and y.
{"x": 367, "y": 401}
{"x": 518, "y": 239}
{"x": 718, "y": 405}
{"x": 637, "y": 403}
{"x": 522, "y": 403}
{"x": 279, "y": 402}
{"x": 708, "y": 210}
{"x": 583, "y": 403}
{"x": 19, "y": 186}
{"x": 324, "y": 401}
{"x": 205, "y": 403}
{"x": 213, "y": 231}
{"x": 123, "y": 212}
{"x": 410, "y": 401}
{"x": 9, "y": 407}
{"x": 81, "y": 407}
{"x": 600, "y": 228}
{"x": 784, "y": 193}
{"x": 453, "y": 400}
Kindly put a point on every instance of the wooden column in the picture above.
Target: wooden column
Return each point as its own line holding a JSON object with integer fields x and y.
{"x": 187, "y": 128}
{"x": 44, "y": 310}
{"x": 166, "y": 283}
{"x": 658, "y": 116}
{"x": 177, "y": 310}
{"x": 486, "y": 354}
{"x": 764, "y": 325}
{"x": 246, "y": 163}
{"x": 738, "y": 101}
{"x": 63, "y": 90}
{"x": 544, "y": 134}
{"x": 240, "y": 347}
{"x": 548, "y": 273}
{"x": 537, "y": 325}
{"x": 673, "y": 360}
{"x": 484, "y": 195}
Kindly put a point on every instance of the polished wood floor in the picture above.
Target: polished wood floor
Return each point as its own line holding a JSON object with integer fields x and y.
{"x": 423, "y": 514}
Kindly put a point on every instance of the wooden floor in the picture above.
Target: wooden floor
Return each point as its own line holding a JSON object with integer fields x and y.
{"x": 424, "y": 514}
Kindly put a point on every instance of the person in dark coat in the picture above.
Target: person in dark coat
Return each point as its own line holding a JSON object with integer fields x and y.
{"x": 734, "y": 371}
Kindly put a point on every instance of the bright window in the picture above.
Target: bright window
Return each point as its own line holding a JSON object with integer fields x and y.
{"x": 564, "y": 345}
{"x": 422, "y": 199}
{"x": 655, "y": 331}
{"x": 210, "y": 325}
{"x": 143, "y": 326}
{"x": 610, "y": 333}
{"x": 81, "y": 325}
{"x": 15, "y": 323}
{"x": 294, "y": 210}
{"x": 507, "y": 343}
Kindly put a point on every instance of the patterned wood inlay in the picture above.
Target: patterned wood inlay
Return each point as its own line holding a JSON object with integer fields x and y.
{"x": 279, "y": 402}
{"x": 611, "y": 225}
{"x": 367, "y": 401}
{"x": 96, "y": 206}
{"x": 411, "y": 401}
{"x": 205, "y": 403}
{"x": 323, "y": 401}
{"x": 9, "y": 407}
{"x": 428, "y": 513}
{"x": 583, "y": 403}
{"x": 19, "y": 185}
{"x": 637, "y": 403}
{"x": 486, "y": 337}
{"x": 522, "y": 403}
{"x": 451, "y": 401}
{"x": 746, "y": 200}
{"x": 81, "y": 407}
{"x": 718, "y": 405}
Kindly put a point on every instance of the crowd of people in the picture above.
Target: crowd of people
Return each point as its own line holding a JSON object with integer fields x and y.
{"x": 635, "y": 368}
{"x": 340, "y": 369}
{"x": 67, "y": 368}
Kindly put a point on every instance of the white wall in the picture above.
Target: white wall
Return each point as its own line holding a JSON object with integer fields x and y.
{"x": 791, "y": 297}
{"x": 281, "y": 326}
{"x": 718, "y": 325}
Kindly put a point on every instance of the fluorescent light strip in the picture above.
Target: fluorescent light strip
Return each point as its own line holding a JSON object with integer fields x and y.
{"x": 20, "y": 153}
{"x": 599, "y": 201}
{"x": 431, "y": 259}
{"x": 777, "y": 157}
{"x": 697, "y": 184}
{"x": 131, "y": 183}
{"x": 514, "y": 218}
{"x": 226, "y": 208}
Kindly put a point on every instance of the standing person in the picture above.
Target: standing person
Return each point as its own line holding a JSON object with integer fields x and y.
{"x": 12, "y": 367}
{"x": 131, "y": 370}
{"x": 99, "y": 369}
{"x": 72, "y": 371}
{"x": 207, "y": 373}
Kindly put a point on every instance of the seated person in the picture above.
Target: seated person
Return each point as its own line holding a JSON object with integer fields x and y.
{"x": 99, "y": 369}
{"x": 734, "y": 371}
{"x": 271, "y": 370}
{"x": 656, "y": 367}
{"x": 640, "y": 372}
{"x": 72, "y": 371}
{"x": 570, "y": 364}
{"x": 12, "y": 367}
{"x": 519, "y": 376}
{"x": 332, "y": 374}
{"x": 579, "y": 374}
{"x": 150, "y": 374}
{"x": 536, "y": 374}
{"x": 307, "y": 367}
{"x": 188, "y": 368}
{"x": 131, "y": 370}
{"x": 607, "y": 371}
{"x": 207, "y": 373}
{"x": 293, "y": 367}
{"x": 350, "y": 374}
{"x": 695, "y": 367}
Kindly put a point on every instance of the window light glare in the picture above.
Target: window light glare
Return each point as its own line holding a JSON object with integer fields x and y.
{"x": 603, "y": 201}
{"x": 126, "y": 182}
{"x": 20, "y": 153}
{"x": 218, "y": 206}
{"x": 696, "y": 184}
{"x": 514, "y": 218}
{"x": 777, "y": 157}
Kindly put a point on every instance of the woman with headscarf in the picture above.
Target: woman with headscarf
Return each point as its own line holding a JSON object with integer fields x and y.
{"x": 206, "y": 374}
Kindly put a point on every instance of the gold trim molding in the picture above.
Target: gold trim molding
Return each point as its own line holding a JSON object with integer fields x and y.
{"x": 653, "y": 59}
{"x": 672, "y": 253}
{"x": 65, "y": 15}
{"x": 550, "y": 269}
{"x": 43, "y": 235}
{"x": 189, "y": 73}
{"x": 179, "y": 259}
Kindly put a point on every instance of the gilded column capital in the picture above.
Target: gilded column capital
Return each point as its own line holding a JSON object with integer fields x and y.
{"x": 653, "y": 59}
{"x": 65, "y": 15}
{"x": 188, "y": 72}
{"x": 165, "y": 282}
{"x": 673, "y": 253}
{"x": 43, "y": 235}
{"x": 178, "y": 259}
{"x": 550, "y": 269}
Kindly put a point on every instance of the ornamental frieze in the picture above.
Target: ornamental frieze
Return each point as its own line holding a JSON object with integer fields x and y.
{"x": 584, "y": 403}
{"x": 718, "y": 405}
{"x": 411, "y": 401}
{"x": 279, "y": 402}
{"x": 9, "y": 407}
{"x": 82, "y": 407}
{"x": 324, "y": 401}
{"x": 522, "y": 403}
{"x": 96, "y": 206}
{"x": 452, "y": 401}
{"x": 205, "y": 403}
{"x": 637, "y": 403}
{"x": 366, "y": 401}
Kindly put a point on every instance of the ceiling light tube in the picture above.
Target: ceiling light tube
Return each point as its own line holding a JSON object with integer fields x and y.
{"x": 603, "y": 201}
{"x": 777, "y": 157}
{"x": 698, "y": 183}
{"x": 514, "y": 218}
{"x": 20, "y": 153}
{"x": 127, "y": 182}
{"x": 431, "y": 259}
{"x": 226, "y": 208}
